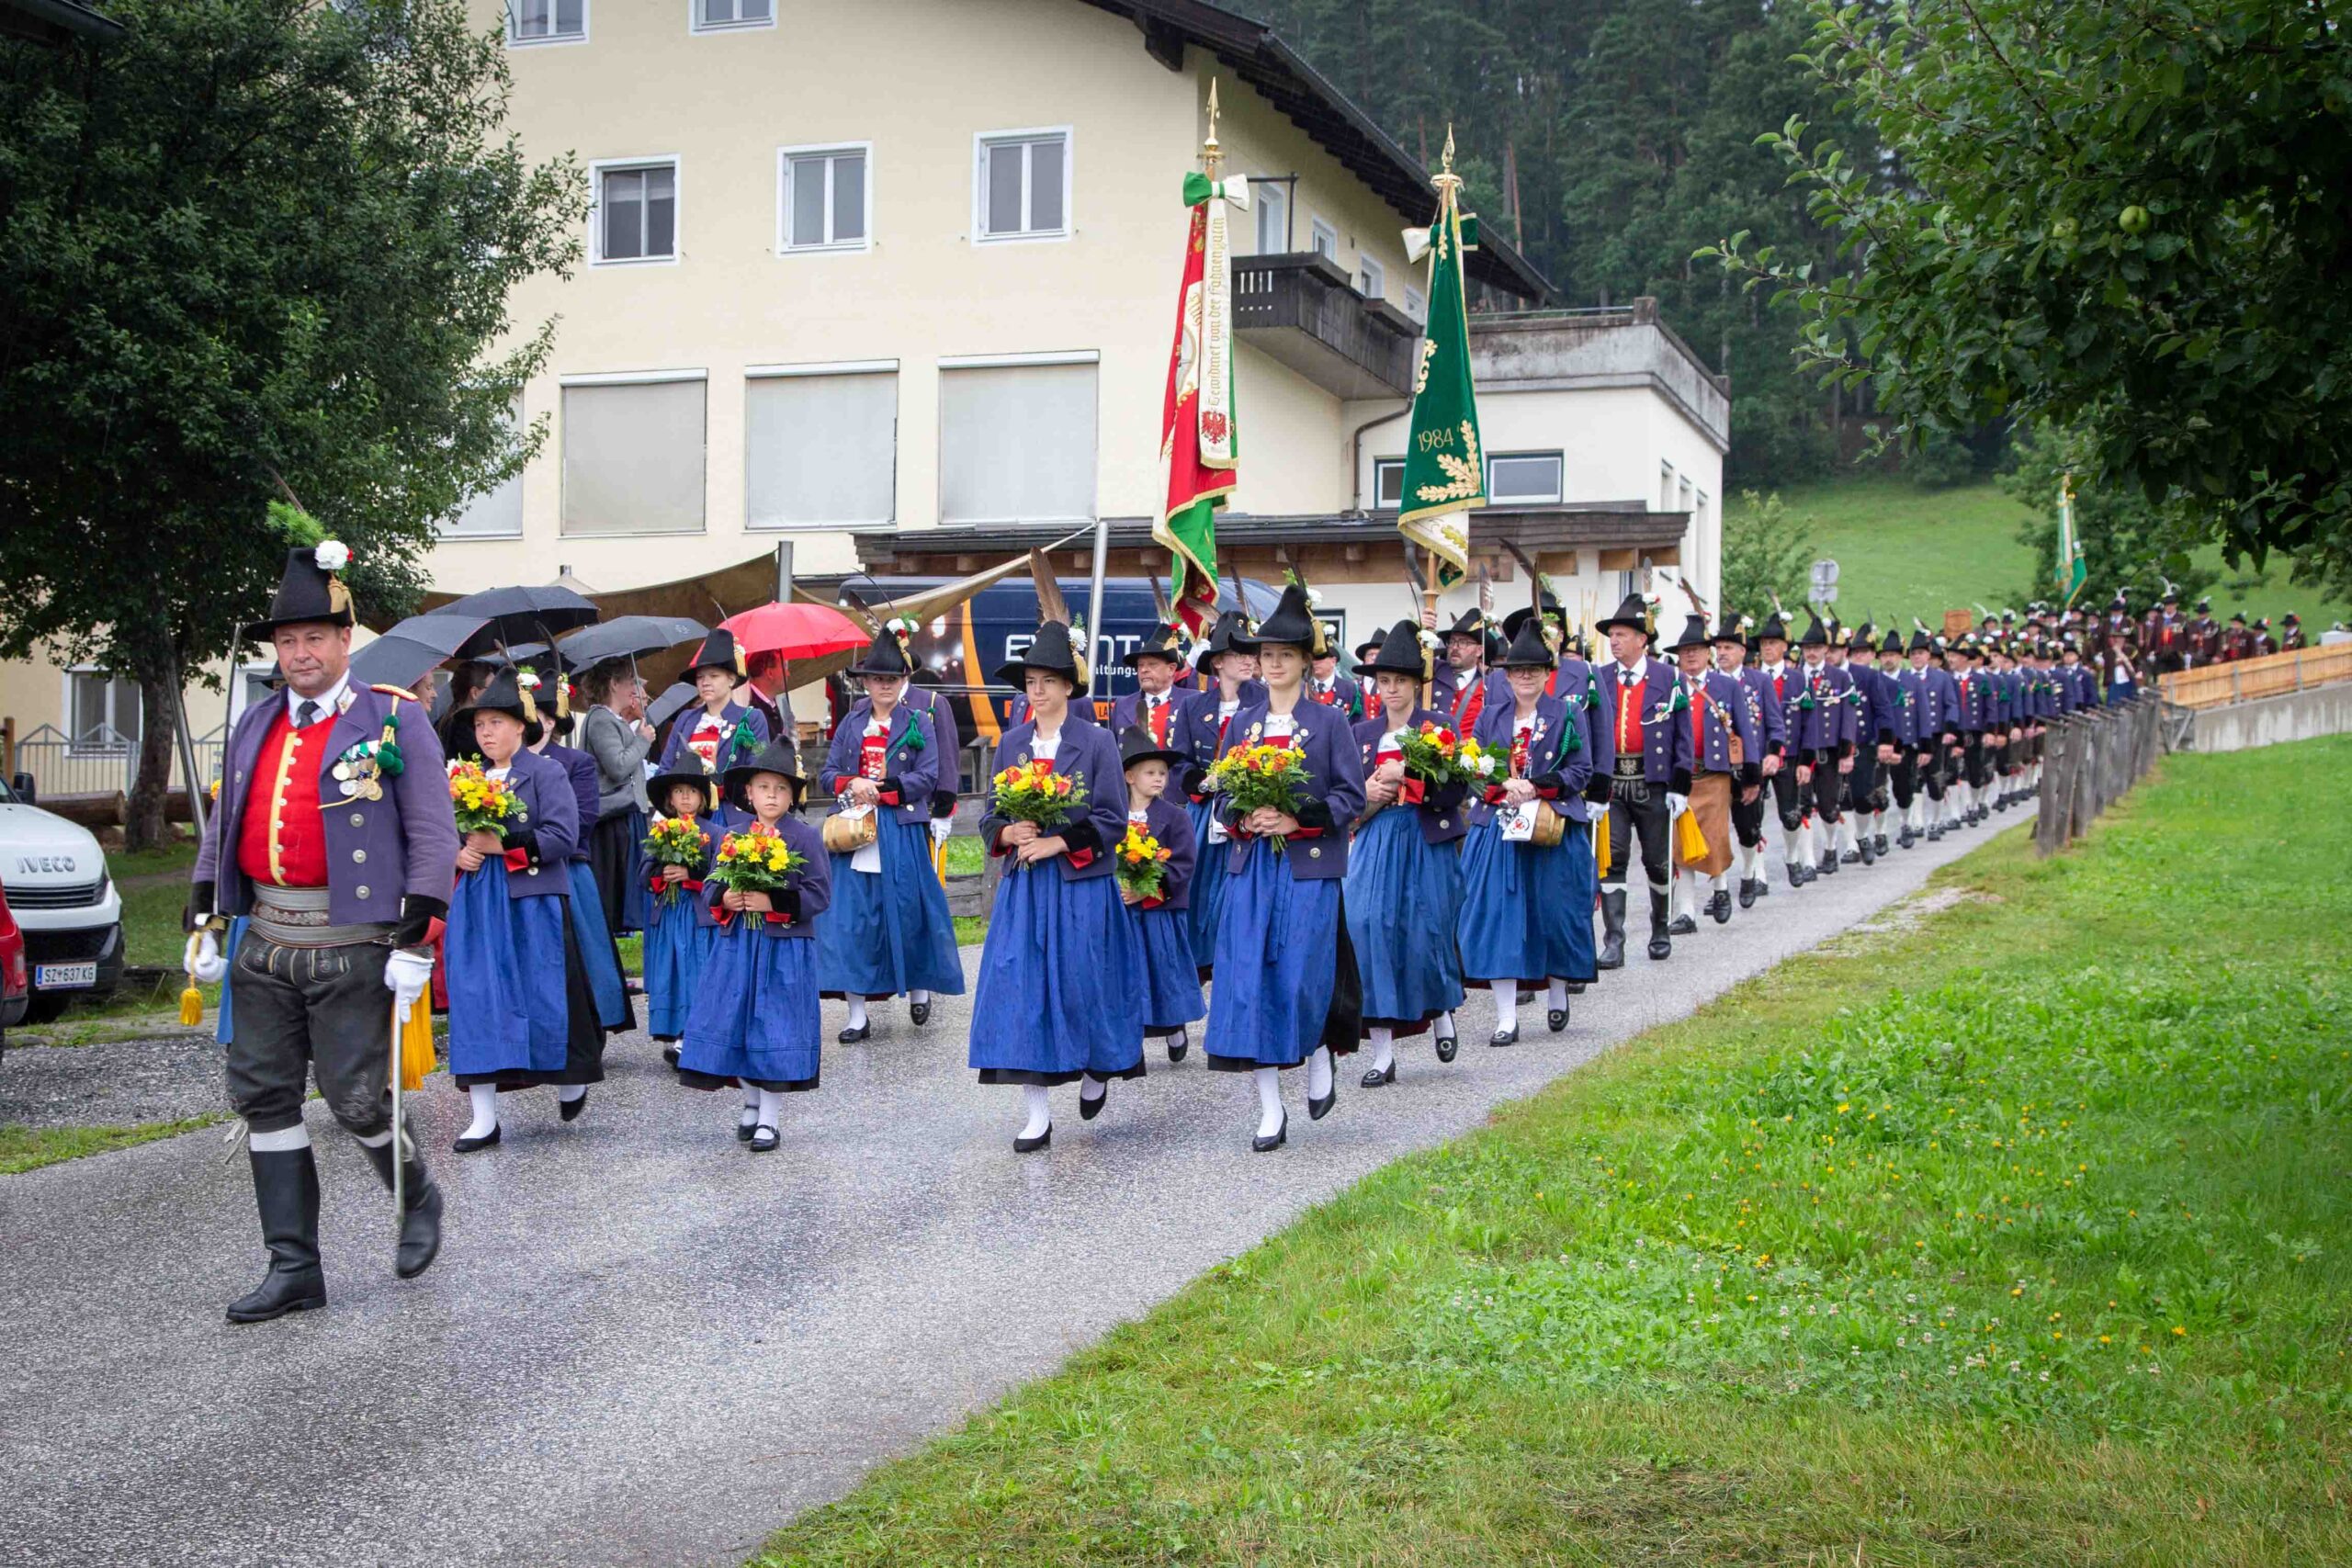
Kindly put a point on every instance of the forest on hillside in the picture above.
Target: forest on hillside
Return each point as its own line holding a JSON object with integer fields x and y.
{"x": 1612, "y": 138}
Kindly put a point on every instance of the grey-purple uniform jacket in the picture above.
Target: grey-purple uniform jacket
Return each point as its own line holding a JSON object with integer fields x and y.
{"x": 1665, "y": 746}
{"x": 540, "y": 845}
{"x": 1764, "y": 706}
{"x": 909, "y": 767}
{"x": 1086, "y": 753}
{"x": 1334, "y": 788}
{"x": 377, "y": 851}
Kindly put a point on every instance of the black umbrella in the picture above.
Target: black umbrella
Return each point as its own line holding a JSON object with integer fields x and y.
{"x": 405, "y": 652}
{"x": 520, "y": 613}
{"x": 627, "y": 637}
{"x": 669, "y": 703}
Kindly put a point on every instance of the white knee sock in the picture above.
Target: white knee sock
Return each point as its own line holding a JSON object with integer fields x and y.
{"x": 1506, "y": 1004}
{"x": 485, "y": 1101}
{"x": 1556, "y": 998}
{"x": 286, "y": 1139}
{"x": 1384, "y": 1048}
{"x": 1091, "y": 1087}
{"x": 1718, "y": 884}
{"x": 1446, "y": 1023}
{"x": 1041, "y": 1110}
{"x": 569, "y": 1092}
{"x": 857, "y": 1013}
{"x": 1319, "y": 1072}
{"x": 771, "y": 1109}
{"x": 749, "y": 1116}
{"x": 1270, "y": 1100}
{"x": 918, "y": 996}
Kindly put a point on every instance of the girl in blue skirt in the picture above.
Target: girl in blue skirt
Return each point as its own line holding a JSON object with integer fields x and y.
{"x": 1286, "y": 981}
{"x": 754, "y": 1020}
{"x": 1056, "y": 997}
{"x": 1527, "y": 907}
{"x": 1169, "y": 983}
{"x": 598, "y": 952}
{"x": 679, "y": 926}
{"x": 1230, "y": 666}
{"x": 889, "y": 931}
{"x": 519, "y": 1011}
{"x": 1404, "y": 885}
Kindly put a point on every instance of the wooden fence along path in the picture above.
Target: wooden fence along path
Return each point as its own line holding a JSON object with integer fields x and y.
{"x": 2249, "y": 680}
{"x": 2089, "y": 759}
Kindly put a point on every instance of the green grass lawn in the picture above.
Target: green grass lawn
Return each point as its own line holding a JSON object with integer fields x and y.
{"x": 29, "y": 1148}
{"x": 1902, "y": 550}
{"x": 2018, "y": 1234}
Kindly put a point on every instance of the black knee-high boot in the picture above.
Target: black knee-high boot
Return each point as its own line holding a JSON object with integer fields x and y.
{"x": 286, "y": 1190}
{"x": 1612, "y": 930}
{"x": 1661, "y": 943}
{"x": 420, "y": 1225}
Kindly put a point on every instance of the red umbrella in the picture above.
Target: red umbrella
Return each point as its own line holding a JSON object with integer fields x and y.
{"x": 796, "y": 631}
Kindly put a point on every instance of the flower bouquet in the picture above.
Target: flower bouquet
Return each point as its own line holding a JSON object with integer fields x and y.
{"x": 1033, "y": 792}
{"x": 1262, "y": 773}
{"x": 674, "y": 841}
{"x": 1141, "y": 863}
{"x": 755, "y": 860}
{"x": 482, "y": 804}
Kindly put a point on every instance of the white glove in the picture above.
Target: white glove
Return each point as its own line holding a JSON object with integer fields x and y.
{"x": 942, "y": 828}
{"x": 203, "y": 960}
{"x": 1676, "y": 804}
{"x": 406, "y": 974}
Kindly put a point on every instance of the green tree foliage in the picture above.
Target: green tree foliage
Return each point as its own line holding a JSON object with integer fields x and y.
{"x": 251, "y": 249}
{"x": 2130, "y": 222}
{"x": 2129, "y": 542}
{"x": 1766, "y": 553}
{"x": 1613, "y": 139}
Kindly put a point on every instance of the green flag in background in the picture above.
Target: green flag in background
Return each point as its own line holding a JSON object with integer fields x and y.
{"x": 1445, "y": 471}
{"x": 2071, "y": 570}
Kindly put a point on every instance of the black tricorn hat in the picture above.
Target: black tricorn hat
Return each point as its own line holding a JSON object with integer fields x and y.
{"x": 307, "y": 593}
{"x": 1919, "y": 639}
{"x": 1293, "y": 622}
{"x": 887, "y": 654}
{"x": 776, "y": 757}
{"x": 1694, "y": 634}
{"x": 1894, "y": 643}
{"x": 1633, "y": 613}
{"x": 1161, "y": 644}
{"x": 1773, "y": 629}
{"x": 1400, "y": 653}
{"x": 2204, "y": 605}
{"x": 1816, "y": 634}
{"x": 2237, "y": 618}
{"x": 503, "y": 694}
{"x": 688, "y": 770}
{"x": 1230, "y": 634}
{"x": 1518, "y": 618}
{"x": 1136, "y": 745}
{"x": 719, "y": 651}
{"x": 1731, "y": 628}
{"x": 1858, "y": 639}
{"x": 1472, "y": 623}
{"x": 1529, "y": 649}
{"x": 1051, "y": 650}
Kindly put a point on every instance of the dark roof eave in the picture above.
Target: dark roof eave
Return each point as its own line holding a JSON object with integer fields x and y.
{"x": 1629, "y": 520}
{"x": 53, "y": 21}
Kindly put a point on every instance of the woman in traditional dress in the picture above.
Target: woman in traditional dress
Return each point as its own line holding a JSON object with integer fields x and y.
{"x": 717, "y": 729}
{"x": 1229, "y": 665}
{"x": 679, "y": 926}
{"x": 1286, "y": 989}
{"x": 1527, "y": 907}
{"x": 613, "y": 732}
{"x": 1057, "y": 999}
{"x": 1170, "y": 982}
{"x": 599, "y": 953}
{"x": 755, "y": 1022}
{"x": 1403, "y": 883}
{"x": 889, "y": 932}
{"x": 520, "y": 1014}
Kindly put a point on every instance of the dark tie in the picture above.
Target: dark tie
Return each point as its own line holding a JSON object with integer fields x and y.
{"x": 306, "y": 715}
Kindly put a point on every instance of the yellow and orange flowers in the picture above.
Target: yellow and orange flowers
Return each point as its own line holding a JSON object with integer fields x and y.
{"x": 1141, "y": 863}
{"x": 1033, "y": 792}
{"x": 755, "y": 860}
{"x": 483, "y": 804}
{"x": 1263, "y": 773}
{"x": 675, "y": 840}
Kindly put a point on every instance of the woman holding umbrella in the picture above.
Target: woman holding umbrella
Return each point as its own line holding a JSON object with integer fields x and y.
{"x": 888, "y": 931}
{"x": 719, "y": 729}
{"x": 615, "y": 734}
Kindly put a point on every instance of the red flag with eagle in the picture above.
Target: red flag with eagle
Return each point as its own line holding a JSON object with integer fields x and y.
{"x": 1199, "y": 450}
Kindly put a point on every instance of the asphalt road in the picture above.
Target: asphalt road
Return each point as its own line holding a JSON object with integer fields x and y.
{"x": 643, "y": 1345}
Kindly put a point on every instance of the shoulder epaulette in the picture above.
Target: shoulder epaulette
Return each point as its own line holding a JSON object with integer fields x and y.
{"x": 398, "y": 693}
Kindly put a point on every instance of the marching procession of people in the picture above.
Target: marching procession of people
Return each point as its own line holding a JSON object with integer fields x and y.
{"x": 1297, "y": 861}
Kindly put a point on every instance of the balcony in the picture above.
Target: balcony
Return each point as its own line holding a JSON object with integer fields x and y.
{"x": 1303, "y": 312}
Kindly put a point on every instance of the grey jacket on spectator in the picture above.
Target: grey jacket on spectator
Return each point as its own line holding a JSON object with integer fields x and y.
{"x": 619, "y": 750}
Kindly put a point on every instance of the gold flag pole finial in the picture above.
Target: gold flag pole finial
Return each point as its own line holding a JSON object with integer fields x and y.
{"x": 1210, "y": 155}
{"x": 1445, "y": 177}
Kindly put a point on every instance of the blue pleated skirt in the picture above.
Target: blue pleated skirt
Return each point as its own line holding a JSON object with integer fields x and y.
{"x": 1278, "y": 948}
{"x": 1058, "y": 993}
{"x": 504, "y": 959}
{"x": 1207, "y": 896}
{"x": 597, "y": 954}
{"x": 1171, "y": 982}
{"x": 889, "y": 932}
{"x": 222, "y": 1031}
{"x": 1404, "y": 896}
{"x": 676, "y": 947}
{"x": 754, "y": 1018}
{"x": 1527, "y": 912}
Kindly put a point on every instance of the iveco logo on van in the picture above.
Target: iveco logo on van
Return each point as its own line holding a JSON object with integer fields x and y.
{"x": 51, "y": 864}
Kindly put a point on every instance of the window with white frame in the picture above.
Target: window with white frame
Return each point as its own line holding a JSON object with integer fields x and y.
{"x": 1387, "y": 483}
{"x": 1372, "y": 278}
{"x": 1417, "y": 305}
{"x": 633, "y": 453}
{"x": 1322, "y": 239}
{"x": 821, "y": 197}
{"x": 1271, "y": 202}
{"x": 1523, "y": 479}
{"x": 1024, "y": 185}
{"x": 103, "y": 712}
{"x": 820, "y": 446}
{"x": 496, "y": 513}
{"x": 636, "y": 217}
{"x": 1683, "y": 493}
{"x": 1016, "y": 441}
{"x": 721, "y": 16}
{"x": 1666, "y": 487}
{"x": 547, "y": 21}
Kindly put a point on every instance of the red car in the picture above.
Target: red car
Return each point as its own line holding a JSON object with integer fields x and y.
{"x": 15, "y": 979}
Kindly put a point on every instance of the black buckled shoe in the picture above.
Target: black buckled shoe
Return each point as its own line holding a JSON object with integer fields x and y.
{"x": 1504, "y": 1036}
{"x": 917, "y": 1013}
{"x": 570, "y": 1110}
{"x": 1088, "y": 1110}
{"x": 1907, "y": 837}
{"x": 853, "y": 1035}
{"x": 1377, "y": 1077}
{"x": 1719, "y": 905}
{"x": 1868, "y": 854}
{"x": 1879, "y": 842}
{"x": 744, "y": 1128}
{"x": 1266, "y": 1142}
{"x": 1747, "y": 893}
{"x": 763, "y": 1139}
{"x": 1828, "y": 867}
{"x": 286, "y": 1191}
{"x": 1178, "y": 1043}
{"x": 1555, "y": 1019}
{"x": 1448, "y": 1047}
{"x": 1850, "y": 857}
{"x": 1683, "y": 925}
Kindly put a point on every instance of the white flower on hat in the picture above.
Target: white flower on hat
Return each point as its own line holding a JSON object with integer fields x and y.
{"x": 528, "y": 680}
{"x": 1428, "y": 639}
{"x": 1314, "y": 596}
{"x": 332, "y": 554}
{"x": 899, "y": 625}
